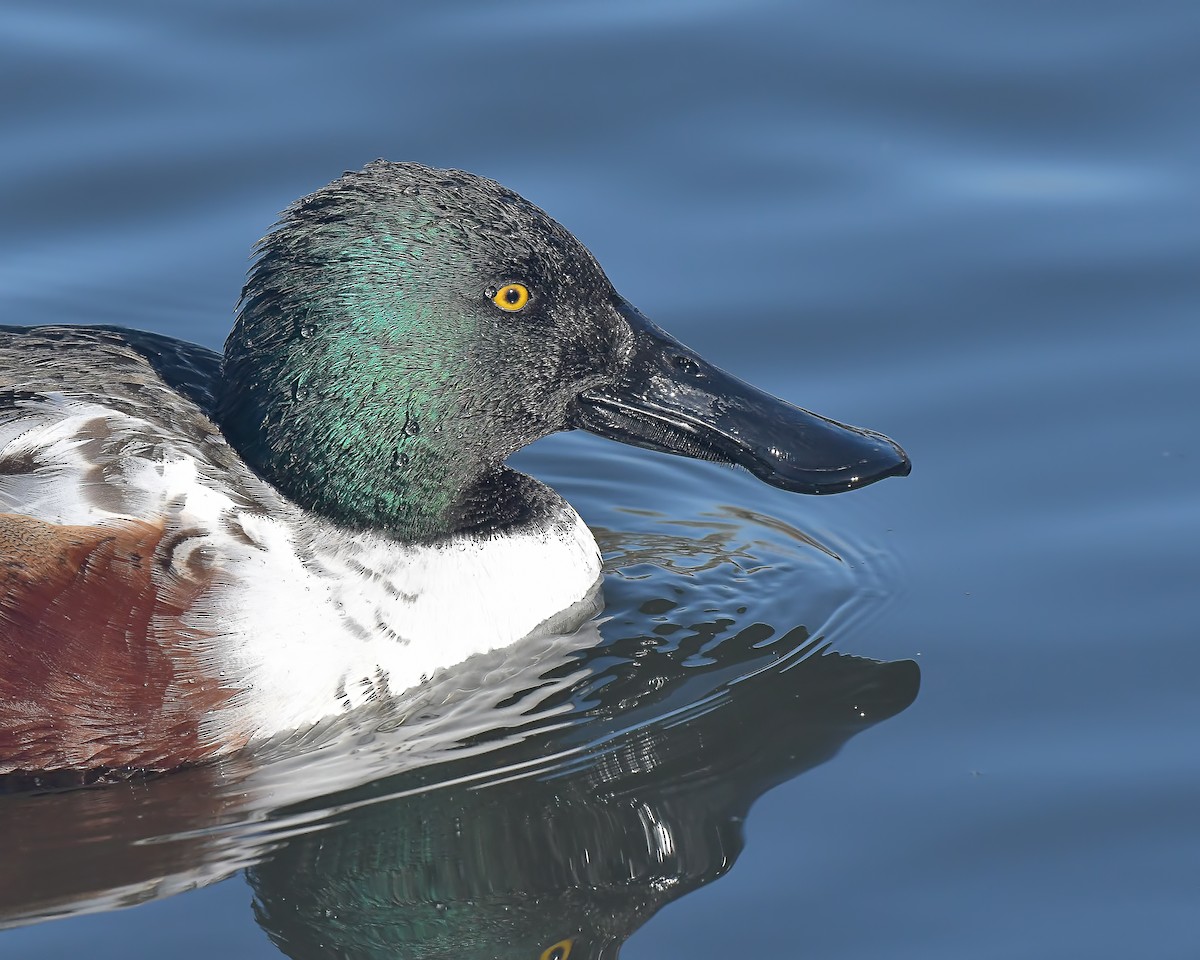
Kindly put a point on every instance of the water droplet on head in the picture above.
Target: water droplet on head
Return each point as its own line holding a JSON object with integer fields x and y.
{"x": 400, "y": 459}
{"x": 307, "y": 329}
{"x": 299, "y": 390}
{"x": 412, "y": 428}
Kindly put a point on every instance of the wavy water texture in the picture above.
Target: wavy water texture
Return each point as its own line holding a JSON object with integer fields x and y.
{"x": 970, "y": 226}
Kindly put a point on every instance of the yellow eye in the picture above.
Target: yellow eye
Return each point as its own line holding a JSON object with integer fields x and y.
{"x": 558, "y": 951}
{"x": 511, "y": 297}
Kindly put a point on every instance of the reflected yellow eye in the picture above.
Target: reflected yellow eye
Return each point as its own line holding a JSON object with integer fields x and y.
{"x": 511, "y": 297}
{"x": 562, "y": 949}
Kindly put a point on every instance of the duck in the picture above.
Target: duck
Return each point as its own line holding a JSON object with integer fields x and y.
{"x": 202, "y": 551}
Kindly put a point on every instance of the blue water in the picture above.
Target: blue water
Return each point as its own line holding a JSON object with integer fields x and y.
{"x": 974, "y": 227}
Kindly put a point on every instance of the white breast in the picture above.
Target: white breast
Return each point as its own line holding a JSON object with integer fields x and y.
{"x": 320, "y": 622}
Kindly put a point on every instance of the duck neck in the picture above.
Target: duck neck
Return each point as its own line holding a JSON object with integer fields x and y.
{"x": 360, "y": 470}
{"x": 351, "y": 446}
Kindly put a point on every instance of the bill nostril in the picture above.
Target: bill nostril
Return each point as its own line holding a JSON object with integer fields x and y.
{"x": 685, "y": 364}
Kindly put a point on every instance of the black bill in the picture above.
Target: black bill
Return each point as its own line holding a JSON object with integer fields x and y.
{"x": 672, "y": 400}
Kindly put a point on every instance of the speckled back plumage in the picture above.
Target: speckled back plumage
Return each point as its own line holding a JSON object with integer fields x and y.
{"x": 171, "y": 385}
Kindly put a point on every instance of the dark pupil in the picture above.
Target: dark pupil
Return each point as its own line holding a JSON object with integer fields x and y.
{"x": 512, "y": 295}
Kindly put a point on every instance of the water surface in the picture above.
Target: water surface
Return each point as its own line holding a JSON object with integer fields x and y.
{"x": 972, "y": 227}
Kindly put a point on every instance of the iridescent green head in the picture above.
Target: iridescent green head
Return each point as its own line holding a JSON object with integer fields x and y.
{"x": 385, "y": 362}
{"x": 404, "y": 330}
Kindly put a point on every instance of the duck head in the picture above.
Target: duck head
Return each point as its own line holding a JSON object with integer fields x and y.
{"x": 404, "y": 330}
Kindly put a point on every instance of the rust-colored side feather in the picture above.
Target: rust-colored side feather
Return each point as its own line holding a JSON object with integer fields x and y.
{"x": 98, "y": 668}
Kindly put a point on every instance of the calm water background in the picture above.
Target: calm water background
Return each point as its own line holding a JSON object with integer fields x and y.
{"x": 974, "y": 227}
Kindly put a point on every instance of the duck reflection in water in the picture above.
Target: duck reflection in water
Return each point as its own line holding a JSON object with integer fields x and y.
{"x": 568, "y": 858}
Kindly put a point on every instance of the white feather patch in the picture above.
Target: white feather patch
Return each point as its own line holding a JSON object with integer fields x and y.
{"x": 306, "y": 619}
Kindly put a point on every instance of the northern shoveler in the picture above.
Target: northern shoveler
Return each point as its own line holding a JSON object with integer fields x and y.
{"x": 198, "y": 552}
